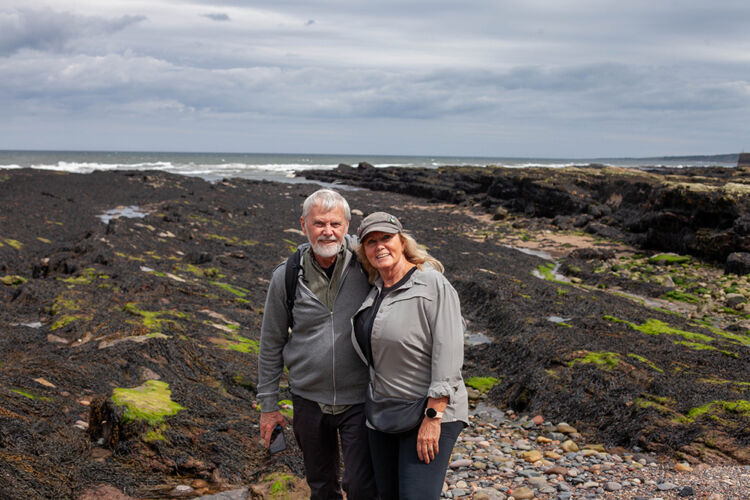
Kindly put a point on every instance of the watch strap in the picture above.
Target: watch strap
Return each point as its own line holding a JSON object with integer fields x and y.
{"x": 433, "y": 413}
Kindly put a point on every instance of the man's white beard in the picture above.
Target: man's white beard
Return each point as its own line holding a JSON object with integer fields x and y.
{"x": 326, "y": 251}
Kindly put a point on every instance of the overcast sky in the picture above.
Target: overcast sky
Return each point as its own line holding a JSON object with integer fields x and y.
{"x": 531, "y": 78}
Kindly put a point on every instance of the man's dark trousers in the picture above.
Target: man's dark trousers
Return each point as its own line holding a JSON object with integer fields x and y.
{"x": 317, "y": 434}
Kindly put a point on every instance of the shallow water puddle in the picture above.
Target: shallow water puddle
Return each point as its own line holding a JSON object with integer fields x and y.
{"x": 531, "y": 251}
{"x": 558, "y": 319}
{"x": 130, "y": 212}
{"x": 476, "y": 338}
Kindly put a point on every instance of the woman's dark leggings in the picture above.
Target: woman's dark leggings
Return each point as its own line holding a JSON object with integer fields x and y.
{"x": 400, "y": 474}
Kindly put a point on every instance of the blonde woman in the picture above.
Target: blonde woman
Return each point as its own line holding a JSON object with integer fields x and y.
{"x": 409, "y": 331}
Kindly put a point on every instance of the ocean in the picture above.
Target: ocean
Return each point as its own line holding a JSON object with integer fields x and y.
{"x": 292, "y": 167}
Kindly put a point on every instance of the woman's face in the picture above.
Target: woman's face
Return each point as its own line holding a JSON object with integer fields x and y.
{"x": 383, "y": 250}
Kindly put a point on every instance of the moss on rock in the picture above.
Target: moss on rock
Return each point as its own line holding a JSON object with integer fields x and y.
{"x": 14, "y": 243}
{"x": 13, "y": 280}
{"x": 603, "y": 359}
{"x": 715, "y": 408}
{"x": 669, "y": 259}
{"x": 153, "y": 319}
{"x": 150, "y": 403}
{"x": 657, "y": 327}
{"x": 482, "y": 384}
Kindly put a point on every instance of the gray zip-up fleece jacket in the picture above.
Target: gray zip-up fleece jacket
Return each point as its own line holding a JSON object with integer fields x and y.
{"x": 418, "y": 343}
{"x": 323, "y": 366}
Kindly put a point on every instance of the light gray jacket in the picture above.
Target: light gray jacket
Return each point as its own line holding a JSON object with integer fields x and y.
{"x": 418, "y": 343}
{"x": 323, "y": 366}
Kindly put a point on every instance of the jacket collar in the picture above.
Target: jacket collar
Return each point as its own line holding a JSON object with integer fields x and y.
{"x": 414, "y": 279}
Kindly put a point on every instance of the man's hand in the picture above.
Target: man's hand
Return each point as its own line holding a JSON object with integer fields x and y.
{"x": 268, "y": 421}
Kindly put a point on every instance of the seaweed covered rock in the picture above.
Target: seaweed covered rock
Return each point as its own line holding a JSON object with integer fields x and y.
{"x": 175, "y": 295}
{"x": 278, "y": 486}
{"x": 140, "y": 412}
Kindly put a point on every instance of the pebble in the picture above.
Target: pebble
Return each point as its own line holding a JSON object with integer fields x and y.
{"x": 665, "y": 486}
{"x": 181, "y": 490}
{"x": 464, "y": 462}
{"x": 504, "y": 456}
{"x": 612, "y": 486}
{"x": 522, "y": 493}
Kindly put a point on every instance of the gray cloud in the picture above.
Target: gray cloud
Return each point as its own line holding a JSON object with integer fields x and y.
{"x": 48, "y": 30}
{"x": 217, "y": 17}
{"x": 479, "y": 75}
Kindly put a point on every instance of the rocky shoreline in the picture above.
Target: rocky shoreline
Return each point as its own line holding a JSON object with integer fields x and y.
{"x": 504, "y": 456}
{"x": 124, "y": 286}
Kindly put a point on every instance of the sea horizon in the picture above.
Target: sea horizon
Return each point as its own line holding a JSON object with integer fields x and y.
{"x": 290, "y": 167}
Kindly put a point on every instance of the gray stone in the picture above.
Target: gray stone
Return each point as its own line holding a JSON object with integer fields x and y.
{"x": 735, "y": 299}
{"x": 538, "y": 482}
{"x": 529, "y": 473}
{"x": 240, "y": 494}
{"x": 500, "y": 213}
{"x": 566, "y": 428}
{"x": 181, "y": 490}
{"x": 738, "y": 263}
{"x": 613, "y": 486}
{"x": 666, "y": 486}
{"x": 687, "y": 491}
{"x": 523, "y": 493}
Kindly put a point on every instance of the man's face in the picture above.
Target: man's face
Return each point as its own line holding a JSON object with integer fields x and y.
{"x": 325, "y": 230}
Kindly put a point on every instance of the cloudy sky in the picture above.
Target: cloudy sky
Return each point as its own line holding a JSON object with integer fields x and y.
{"x": 532, "y": 78}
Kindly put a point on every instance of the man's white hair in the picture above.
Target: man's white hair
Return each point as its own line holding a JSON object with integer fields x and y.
{"x": 328, "y": 199}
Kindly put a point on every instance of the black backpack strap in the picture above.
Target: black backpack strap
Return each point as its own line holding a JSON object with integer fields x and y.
{"x": 290, "y": 280}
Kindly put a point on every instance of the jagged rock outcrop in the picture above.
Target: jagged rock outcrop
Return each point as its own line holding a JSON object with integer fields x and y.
{"x": 702, "y": 211}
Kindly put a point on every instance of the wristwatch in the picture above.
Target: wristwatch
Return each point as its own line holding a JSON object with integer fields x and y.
{"x": 433, "y": 413}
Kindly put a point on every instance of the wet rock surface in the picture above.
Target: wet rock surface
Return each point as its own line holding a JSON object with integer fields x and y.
{"x": 172, "y": 291}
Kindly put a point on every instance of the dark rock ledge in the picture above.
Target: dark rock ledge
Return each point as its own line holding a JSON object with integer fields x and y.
{"x": 703, "y": 212}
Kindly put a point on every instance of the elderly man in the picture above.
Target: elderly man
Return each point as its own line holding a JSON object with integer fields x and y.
{"x": 326, "y": 378}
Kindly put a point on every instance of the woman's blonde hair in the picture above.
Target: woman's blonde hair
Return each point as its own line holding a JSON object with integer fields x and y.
{"x": 413, "y": 251}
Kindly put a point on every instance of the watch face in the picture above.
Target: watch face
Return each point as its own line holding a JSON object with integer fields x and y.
{"x": 431, "y": 413}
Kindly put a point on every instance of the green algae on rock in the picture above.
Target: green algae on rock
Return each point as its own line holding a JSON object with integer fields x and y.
{"x": 233, "y": 289}
{"x": 714, "y": 408}
{"x": 150, "y": 403}
{"x": 669, "y": 259}
{"x": 65, "y": 320}
{"x": 645, "y": 361}
{"x": 28, "y": 395}
{"x": 13, "y": 280}
{"x": 153, "y": 319}
{"x": 281, "y": 485}
{"x": 14, "y": 243}
{"x": 603, "y": 359}
{"x": 657, "y": 327}
{"x": 482, "y": 384}
{"x": 237, "y": 343}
